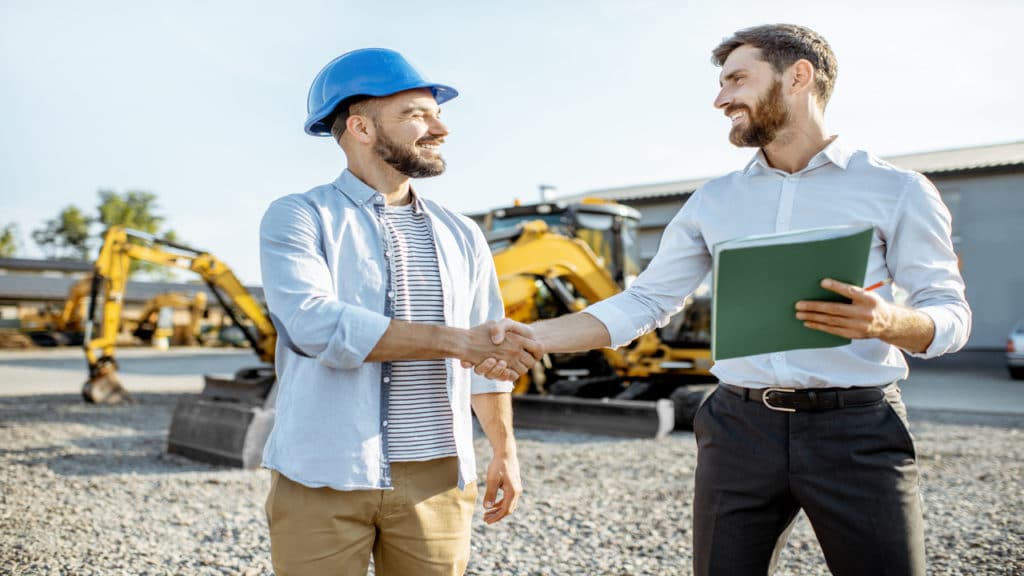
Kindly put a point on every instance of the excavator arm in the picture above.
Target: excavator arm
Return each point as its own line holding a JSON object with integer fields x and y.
{"x": 542, "y": 254}
{"x": 70, "y": 318}
{"x": 120, "y": 247}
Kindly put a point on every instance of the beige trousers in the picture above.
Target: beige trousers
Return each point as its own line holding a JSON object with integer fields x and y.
{"x": 421, "y": 527}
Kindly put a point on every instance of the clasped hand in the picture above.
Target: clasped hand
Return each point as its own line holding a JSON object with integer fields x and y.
{"x": 502, "y": 350}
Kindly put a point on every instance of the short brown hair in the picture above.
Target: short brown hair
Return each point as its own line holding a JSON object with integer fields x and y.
{"x": 783, "y": 44}
{"x": 354, "y": 105}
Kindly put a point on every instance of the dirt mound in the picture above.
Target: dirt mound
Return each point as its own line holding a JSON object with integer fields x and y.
{"x": 14, "y": 339}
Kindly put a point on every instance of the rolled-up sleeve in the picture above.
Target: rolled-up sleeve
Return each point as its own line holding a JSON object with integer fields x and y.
{"x": 660, "y": 291}
{"x": 298, "y": 286}
{"x": 921, "y": 258}
{"x": 487, "y": 305}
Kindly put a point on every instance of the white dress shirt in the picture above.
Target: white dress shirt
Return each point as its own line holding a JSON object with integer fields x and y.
{"x": 839, "y": 186}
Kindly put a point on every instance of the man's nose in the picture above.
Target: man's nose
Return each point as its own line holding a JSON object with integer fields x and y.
{"x": 438, "y": 128}
{"x": 722, "y": 100}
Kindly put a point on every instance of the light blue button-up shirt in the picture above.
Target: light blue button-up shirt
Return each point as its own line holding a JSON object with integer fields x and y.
{"x": 327, "y": 282}
{"x": 839, "y": 186}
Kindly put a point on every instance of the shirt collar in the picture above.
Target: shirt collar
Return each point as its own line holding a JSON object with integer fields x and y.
{"x": 360, "y": 192}
{"x": 835, "y": 152}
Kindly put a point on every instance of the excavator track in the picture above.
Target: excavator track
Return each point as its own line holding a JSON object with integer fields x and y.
{"x": 627, "y": 418}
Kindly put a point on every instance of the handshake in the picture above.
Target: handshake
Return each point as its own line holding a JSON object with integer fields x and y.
{"x": 501, "y": 350}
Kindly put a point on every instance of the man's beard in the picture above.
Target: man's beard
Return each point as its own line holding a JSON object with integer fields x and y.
{"x": 406, "y": 159}
{"x": 764, "y": 125}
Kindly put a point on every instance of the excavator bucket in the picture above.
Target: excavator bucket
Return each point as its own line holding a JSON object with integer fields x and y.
{"x": 104, "y": 387}
{"x": 228, "y": 423}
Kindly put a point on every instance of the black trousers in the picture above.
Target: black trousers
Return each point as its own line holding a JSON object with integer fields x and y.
{"x": 852, "y": 470}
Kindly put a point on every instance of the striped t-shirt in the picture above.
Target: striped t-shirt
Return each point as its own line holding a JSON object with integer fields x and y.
{"x": 419, "y": 413}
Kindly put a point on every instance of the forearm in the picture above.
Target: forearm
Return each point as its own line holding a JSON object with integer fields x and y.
{"x": 577, "y": 332}
{"x": 494, "y": 412}
{"x": 413, "y": 341}
{"x": 909, "y": 329}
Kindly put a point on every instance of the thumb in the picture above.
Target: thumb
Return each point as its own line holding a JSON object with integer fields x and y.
{"x": 498, "y": 333}
{"x": 492, "y": 489}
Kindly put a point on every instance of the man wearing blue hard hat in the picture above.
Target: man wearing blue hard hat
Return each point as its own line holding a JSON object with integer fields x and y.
{"x": 379, "y": 295}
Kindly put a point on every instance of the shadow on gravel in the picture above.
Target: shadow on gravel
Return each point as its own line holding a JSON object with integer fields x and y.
{"x": 989, "y": 419}
{"x": 117, "y": 463}
{"x": 992, "y": 362}
{"x": 71, "y": 408}
{"x": 114, "y": 440}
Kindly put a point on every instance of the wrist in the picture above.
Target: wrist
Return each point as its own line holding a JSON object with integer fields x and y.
{"x": 540, "y": 335}
{"x": 454, "y": 342}
{"x": 504, "y": 449}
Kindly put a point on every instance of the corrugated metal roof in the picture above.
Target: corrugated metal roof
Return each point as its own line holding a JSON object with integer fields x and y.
{"x": 931, "y": 163}
{"x": 659, "y": 190}
{"x": 960, "y": 159}
{"x": 34, "y": 265}
{"x": 35, "y": 288}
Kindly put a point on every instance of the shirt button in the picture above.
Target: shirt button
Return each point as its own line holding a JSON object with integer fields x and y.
{"x": 385, "y": 423}
{"x": 378, "y": 198}
{"x": 386, "y": 379}
{"x": 391, "y": 294}
{"x": 387, "y": 253}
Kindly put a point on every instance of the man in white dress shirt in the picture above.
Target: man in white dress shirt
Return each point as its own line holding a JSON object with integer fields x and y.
{"x": 835, "y": 441}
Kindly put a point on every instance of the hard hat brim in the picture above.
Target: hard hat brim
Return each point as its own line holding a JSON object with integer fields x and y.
{"x": 317, "y": 125}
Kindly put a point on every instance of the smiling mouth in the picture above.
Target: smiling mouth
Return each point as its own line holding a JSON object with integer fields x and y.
{"x": 738, "y": 116}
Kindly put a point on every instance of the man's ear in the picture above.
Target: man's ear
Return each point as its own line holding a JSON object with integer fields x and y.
{"x": 359, "y": 127}
{"x": 800, "y": 76}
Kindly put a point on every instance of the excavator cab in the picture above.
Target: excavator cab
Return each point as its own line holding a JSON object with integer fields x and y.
{"x": 608, "y": 228}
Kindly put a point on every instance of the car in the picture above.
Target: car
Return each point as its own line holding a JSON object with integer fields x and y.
{"x": 1015, "y": 351}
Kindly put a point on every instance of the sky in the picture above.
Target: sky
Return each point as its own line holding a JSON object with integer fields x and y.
{"x": 203, "y": 103}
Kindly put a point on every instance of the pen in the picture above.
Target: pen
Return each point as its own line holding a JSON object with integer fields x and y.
{"x": 878, "y": 284}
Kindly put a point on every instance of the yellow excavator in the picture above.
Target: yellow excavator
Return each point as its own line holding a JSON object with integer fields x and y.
{"x": 556, "y": 258}
{"x": 60, "y": 327}
{"x": 228, "y": 422}
{"x": 64, "y": 326}
{"x": 149, "y": 324}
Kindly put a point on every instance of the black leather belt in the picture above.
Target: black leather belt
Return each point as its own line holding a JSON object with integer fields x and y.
{"x": 810, "y": 399}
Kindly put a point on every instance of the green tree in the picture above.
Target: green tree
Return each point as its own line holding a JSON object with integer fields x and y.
{"x": 136, "y": 209}
{"x": 66, "y": 236}
{"x": 9, "y": 240}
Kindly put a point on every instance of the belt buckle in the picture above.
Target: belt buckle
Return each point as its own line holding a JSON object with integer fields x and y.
{"x": 764, "y": 399}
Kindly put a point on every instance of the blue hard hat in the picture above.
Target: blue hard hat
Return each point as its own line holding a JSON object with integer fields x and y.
{"x": 366, "y": 72}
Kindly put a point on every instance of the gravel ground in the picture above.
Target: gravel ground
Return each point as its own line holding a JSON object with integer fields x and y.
{"x": 89, "y": 490}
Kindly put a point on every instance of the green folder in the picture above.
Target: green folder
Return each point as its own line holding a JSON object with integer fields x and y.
{"x": 758, "y": 280}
